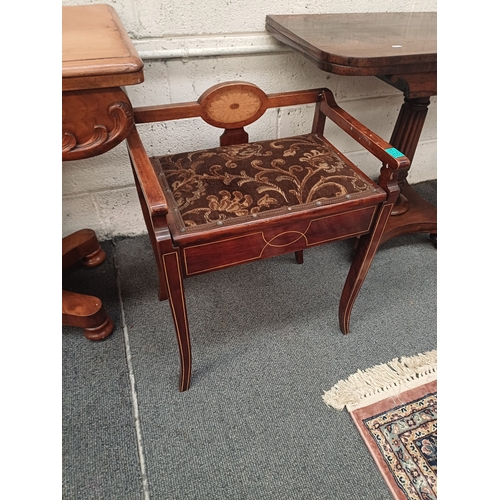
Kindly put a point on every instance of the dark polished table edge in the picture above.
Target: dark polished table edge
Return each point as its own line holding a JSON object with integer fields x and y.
{"x": 349, "y": 65}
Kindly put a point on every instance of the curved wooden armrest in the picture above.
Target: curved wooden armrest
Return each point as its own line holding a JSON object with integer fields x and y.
{"x": 384, "y": 151}
{"x": 148, "y": 180}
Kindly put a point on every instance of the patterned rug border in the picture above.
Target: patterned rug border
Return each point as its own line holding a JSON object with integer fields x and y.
{"x": 394, "y": 408}
{"x": 406, "y": 472}
{"x": 366, "y": 387}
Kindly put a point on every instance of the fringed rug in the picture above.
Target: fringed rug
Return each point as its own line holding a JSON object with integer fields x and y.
{"x": 394, "y": 407}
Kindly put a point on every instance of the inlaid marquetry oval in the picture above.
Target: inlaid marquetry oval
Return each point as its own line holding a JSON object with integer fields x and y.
{"x": 286, "y": 238}
{"x": 233, "y": 105}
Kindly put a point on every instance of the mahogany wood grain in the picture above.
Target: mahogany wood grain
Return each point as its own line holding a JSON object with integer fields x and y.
{"x": 414, "y": 85}
{"x": 400, "y": 48}
{"x": 194, "y": 109}
{"x": 97, "y": 58}
{"x": 233, "y": 136}
{"x": 147, "y": 178}
{"x": 84, "y": 311}
{"x": 94, "y": 121}
{"x": 419, "y": 218}
{"x": 82, "y": 246}
{"x": 180, "y": 254}
{"x": 362, "y": 44}
{"x": 87, "y": 312}
{"x": 96, "y": 50}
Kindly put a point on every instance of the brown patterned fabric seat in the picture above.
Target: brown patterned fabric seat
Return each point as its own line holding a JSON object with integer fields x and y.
{"x": 245, "y": 201}
{"x": 218, "y": 185}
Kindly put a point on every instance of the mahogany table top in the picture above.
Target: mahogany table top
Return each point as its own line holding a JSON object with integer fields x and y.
{"x": 96, "y": 49}
{"x": 362, "y": 43}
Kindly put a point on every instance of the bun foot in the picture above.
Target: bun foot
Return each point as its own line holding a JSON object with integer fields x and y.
{"x": 100, "y": 332}
{"x": 94, "y": 259}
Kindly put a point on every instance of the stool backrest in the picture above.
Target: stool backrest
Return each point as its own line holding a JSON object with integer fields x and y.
{"x": 232, "y": 106}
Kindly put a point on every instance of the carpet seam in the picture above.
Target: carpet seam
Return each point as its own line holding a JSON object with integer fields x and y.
{"x": 133, "y": 391}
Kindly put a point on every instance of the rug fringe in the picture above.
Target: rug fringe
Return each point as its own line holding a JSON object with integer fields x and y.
{"x": 389, "y": 379}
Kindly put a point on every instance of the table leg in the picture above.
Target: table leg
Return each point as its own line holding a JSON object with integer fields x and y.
{"x": 84, "y": 311}
{"x": 411, "y": 213}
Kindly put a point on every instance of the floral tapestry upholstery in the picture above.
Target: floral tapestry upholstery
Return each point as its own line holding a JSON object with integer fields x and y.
{"x": 231, "y": 184}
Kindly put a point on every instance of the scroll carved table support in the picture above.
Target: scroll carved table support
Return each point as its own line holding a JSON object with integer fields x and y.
{"x": 94, "y": 121}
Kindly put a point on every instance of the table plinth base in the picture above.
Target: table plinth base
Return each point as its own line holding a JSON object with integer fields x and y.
{"x": 84, "y": 311}
{"x": 421, "y": 217}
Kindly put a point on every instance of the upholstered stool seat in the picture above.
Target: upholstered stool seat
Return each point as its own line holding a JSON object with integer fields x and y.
{"x": 244, "y": 201}
{"x": 232, "y": 184}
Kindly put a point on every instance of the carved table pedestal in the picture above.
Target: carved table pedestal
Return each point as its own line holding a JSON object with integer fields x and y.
{"x": 97, "y": 59}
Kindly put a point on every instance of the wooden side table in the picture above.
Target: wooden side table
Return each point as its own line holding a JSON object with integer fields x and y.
{"x": 400, "y": 49}
{"x": 97, "y": 59}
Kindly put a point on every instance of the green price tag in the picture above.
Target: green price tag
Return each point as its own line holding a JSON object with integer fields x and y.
{"x": 395, "y": 153}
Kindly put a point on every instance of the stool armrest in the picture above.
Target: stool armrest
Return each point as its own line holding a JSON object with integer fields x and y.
{"x": 146, "y": 175}
{"x": 363, "y": 135}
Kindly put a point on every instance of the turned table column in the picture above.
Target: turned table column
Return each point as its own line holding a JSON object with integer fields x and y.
{"x": 411, "y": 214}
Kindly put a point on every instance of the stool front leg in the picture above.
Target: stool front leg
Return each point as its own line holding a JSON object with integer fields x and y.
{"x": 366, "y": 249}
{"x": 175, "y": 286}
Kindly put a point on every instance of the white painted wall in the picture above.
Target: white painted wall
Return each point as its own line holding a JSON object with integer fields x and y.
{"x": 190, "y": 45}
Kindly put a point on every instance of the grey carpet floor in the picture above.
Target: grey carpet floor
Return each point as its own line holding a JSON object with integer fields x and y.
{"x": 266, "y": 345}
